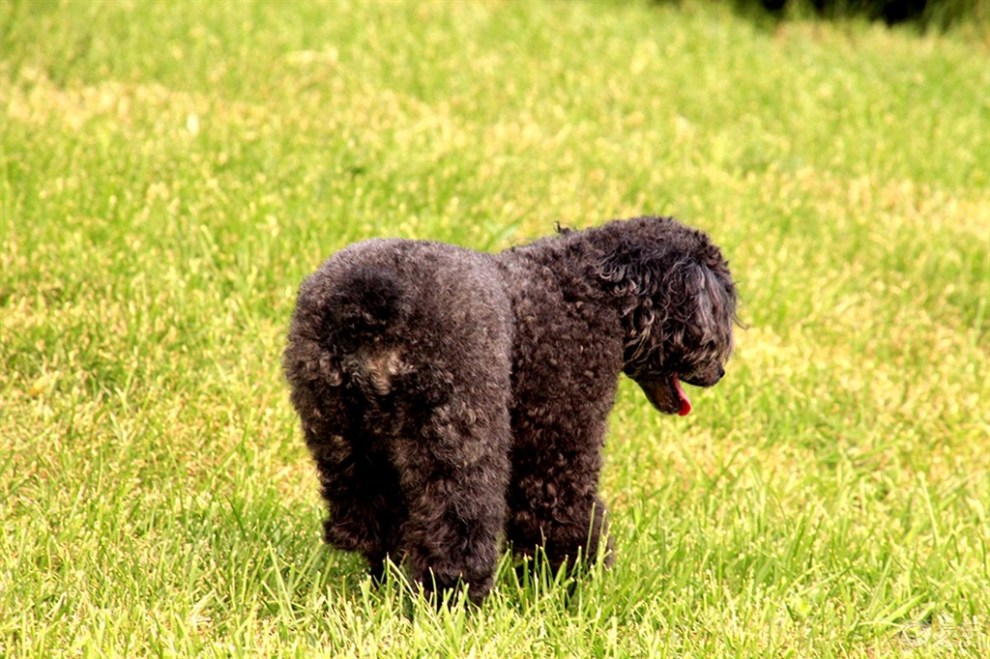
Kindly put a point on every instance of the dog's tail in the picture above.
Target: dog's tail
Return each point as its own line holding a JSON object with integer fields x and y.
{"x": 365, "y": 302}
{"x": 337, "y": 314}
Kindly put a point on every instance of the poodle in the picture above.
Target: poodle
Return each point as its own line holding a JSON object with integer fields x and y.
{"x": 453, "y": 399}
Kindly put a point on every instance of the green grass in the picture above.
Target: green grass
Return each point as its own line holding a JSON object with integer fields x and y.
{"x": 170, "y": 172}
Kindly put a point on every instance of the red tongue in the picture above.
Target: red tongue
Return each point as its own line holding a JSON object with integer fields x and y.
{"x": 685, "y": 403}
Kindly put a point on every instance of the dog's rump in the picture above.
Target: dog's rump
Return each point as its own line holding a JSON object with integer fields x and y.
{"x": 385, "y": 313}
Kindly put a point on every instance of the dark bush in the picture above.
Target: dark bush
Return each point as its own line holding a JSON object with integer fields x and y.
{"x": 923, "y": 13}
{"x": 926, "y": 13}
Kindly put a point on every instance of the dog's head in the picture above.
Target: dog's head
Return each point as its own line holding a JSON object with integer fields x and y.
{"x": 678, "y": 307}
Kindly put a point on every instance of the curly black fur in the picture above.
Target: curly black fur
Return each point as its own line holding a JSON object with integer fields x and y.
{"x": 450, "y": 398}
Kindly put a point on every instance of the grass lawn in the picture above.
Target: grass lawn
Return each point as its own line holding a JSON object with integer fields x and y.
{"x": 171, "y": 171}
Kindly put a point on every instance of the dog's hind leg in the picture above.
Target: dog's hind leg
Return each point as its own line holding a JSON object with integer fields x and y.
{"x": 357, "y": 479}
{"x": 365, "y": 505}
{"x": 454, "y": 474}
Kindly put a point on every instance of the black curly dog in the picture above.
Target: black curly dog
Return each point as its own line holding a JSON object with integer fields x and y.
{"x": 450, "y": 397}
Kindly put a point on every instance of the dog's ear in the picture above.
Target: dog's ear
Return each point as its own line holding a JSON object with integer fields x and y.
{"x": 699, "y": 303}
{"x": 629, "y": 272}
{"x": 633, "y": 280}
{"x": 670, "y": 302}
